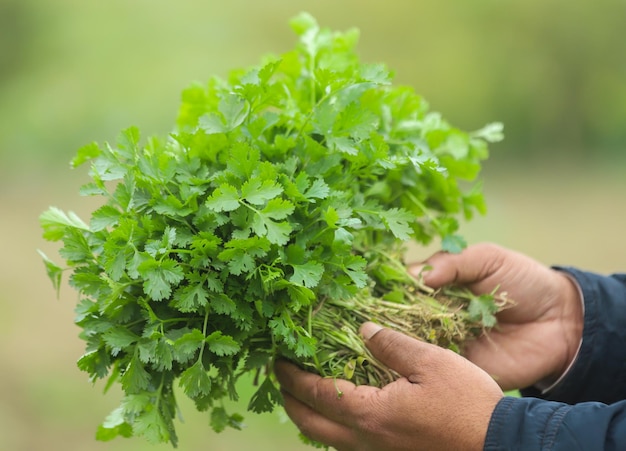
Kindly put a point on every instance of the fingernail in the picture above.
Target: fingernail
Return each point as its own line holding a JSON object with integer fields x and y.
{"x": 419, "y": 270}
{"x": 416, "y": 270}
{"x": 368, "y": 330}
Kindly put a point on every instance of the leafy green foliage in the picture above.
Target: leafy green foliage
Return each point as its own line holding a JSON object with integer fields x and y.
{"x": 217, "y": 243}
{"x": 483, "y": 309}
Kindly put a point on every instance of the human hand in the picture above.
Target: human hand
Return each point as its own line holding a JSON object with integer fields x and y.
{"x": 441, "y": 402}
{"x": 535, "y": 339}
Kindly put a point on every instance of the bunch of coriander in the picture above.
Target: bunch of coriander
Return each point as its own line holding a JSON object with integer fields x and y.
{"x": 269, "y": 222}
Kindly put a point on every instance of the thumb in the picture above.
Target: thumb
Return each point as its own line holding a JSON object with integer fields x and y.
{"x": 401, "y": 353}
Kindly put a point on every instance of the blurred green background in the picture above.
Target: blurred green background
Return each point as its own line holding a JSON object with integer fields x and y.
{"x": 71, "y": 72}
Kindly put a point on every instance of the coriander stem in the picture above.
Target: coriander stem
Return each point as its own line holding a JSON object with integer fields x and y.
{"x": 420, "y": 204}
{"x": 159, "y": 392}
{"x": 204, "y": 330}
{"x": 310, "y": 320}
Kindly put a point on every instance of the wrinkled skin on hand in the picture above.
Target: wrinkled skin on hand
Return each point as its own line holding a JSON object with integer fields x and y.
{"x": 538, "y": 337}
{"x": 441, "y": 402}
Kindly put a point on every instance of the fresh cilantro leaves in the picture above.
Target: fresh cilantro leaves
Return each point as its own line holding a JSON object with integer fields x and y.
{"x": 268, "y": 223}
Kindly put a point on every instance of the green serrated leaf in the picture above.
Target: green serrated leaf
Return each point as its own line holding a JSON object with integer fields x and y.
{"x": 85, "y": 153}
{"x": 135, "y": 377}
{"x": 398, "y": 220}
{"x": 134, "y": 404}
{"x": 243, "y": 160}
{"x": 491, "y": 132}
{"x": 281, "y": 328}
{"x": 258, "y": 192}
{"x": 306, "y": 346}
{"x": 54, "y": 271}
{"x": 453, "y": 244}
{"x": 192, "y": 297}
{"x": 195, "y": 380}
{"x": 356, "y": 122}
{"x": 331, "y": 217}
{"x": 483, "y": 309}
{"x": 318, "y": 190}
{"x": 308, "y": 274}
{"x": 159, "y": 353}
{"x": 223, "y": 305}
{"x": 95, "y": 362}
{"x": 222, "y": 344}
{"x": 186, "y": 347}
{"x": 300, "y": 296}
{"x": 118, "y": 339}
{"x": 224, "y": 198}
{"x": 128, "y": 141}
{"x": 212, "y": 123}
{"x": 220, "y": 420}
{"x": 234, "y": 110}
{"x": 278, "y": 232}
{"x": 113, "y": 426}
{"x": 152, "y": 427}
{"x": 377, "y": 73}
{"x": 55, "y": 221}
{"x": 265, "y": 398}
{"x": 355, "y": 269}
{"x": 105, "y": 216}
{"x": 159, "y": 277}
{"x": 278, "y": 209}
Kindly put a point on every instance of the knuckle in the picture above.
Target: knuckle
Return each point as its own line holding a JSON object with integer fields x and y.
{"x": 386, "y": 341}
{"x": 317, "y": 392}
{"x": 370, "y": 424}
{"x": 374, "y": 422}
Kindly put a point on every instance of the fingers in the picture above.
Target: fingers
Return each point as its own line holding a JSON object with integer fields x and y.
{"x": 403, "y": 354}
{"x": 314, "y": 425}
{"x": 331, "y": 397}
{"x": 473, "y": 265}
{"x": 322, "y": 408}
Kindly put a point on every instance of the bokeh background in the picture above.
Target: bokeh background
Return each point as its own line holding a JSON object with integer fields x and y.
{"x": 72, "y": 72}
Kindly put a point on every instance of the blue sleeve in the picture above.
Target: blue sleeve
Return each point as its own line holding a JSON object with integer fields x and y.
{"x": 537, "y": 424}
{"x": 587, "y": 409}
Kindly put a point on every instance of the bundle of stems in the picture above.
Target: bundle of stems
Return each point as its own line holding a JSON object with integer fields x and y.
{"x": 400, "y": 302}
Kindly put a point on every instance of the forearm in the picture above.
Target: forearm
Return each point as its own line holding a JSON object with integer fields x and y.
{"x": 531, "y": 423}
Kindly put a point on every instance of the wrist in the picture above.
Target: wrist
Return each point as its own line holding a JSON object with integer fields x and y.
{"x": 572, "y": 312}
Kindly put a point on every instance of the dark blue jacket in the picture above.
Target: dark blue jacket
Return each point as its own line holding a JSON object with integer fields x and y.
{"x": 587, "y": 409}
